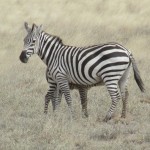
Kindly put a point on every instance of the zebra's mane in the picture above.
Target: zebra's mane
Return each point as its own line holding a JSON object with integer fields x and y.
{"x": 54, "y": 36}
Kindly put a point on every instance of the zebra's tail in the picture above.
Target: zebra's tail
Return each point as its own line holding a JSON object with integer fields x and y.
{"x": 137, "y": 74}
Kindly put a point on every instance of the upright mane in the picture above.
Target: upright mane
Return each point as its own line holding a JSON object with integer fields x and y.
{"x": 56, "y": 37}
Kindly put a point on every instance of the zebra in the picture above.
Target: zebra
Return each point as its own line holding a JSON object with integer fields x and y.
{"x": 82, "y": 67}
{"x": 56, "y": 99}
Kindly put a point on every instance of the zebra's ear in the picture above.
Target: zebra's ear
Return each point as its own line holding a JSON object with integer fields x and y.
{"x": 40, "y": 28}
{"x": 34, "y": 27}
{"x": 36, "y": 30}
{"x": 27, "y": 27}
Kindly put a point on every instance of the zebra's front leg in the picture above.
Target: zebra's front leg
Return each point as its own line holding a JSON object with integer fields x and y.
{"x": 115, "y": 97}
{"x": 57, "y": 98}
{"x": 47, "y": 100}
{"x": 51, "y": 92}
{"x": 49, "y": 96}
{"x": 64, "y": 87}
{"x": 83, "y": 98}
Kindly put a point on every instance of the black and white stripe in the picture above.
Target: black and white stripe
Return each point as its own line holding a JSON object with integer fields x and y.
{"x": 82, "y": 67}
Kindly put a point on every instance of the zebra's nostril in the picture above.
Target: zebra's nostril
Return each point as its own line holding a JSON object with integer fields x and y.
{"x": 23, "y": 57}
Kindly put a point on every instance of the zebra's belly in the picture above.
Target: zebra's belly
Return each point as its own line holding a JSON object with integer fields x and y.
{"x": 76, "y": 84}
{"x": 88, "y": 81}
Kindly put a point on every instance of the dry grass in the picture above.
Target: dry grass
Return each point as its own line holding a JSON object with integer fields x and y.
{"x": 22, "y": 87}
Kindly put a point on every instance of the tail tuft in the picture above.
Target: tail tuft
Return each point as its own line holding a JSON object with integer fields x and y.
{"x": 137, "y": 74}
{"x": 139, "y": 81}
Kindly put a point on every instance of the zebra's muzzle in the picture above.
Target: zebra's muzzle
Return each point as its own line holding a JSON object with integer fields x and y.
{"x": 23, "y": 57}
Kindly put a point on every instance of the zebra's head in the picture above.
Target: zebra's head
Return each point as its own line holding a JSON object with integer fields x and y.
{"x": 31, "y": 42}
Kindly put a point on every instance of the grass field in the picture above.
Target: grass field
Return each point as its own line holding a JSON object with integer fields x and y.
{"x": 23, "y": 125}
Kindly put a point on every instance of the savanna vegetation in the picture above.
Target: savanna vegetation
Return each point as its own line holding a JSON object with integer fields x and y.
{"x": 23, "y": 125}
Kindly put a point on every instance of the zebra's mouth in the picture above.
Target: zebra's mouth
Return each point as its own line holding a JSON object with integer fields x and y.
{"x": 23, "y": 57}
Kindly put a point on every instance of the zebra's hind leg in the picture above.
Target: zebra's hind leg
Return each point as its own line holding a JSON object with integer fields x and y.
{"x": 115, "y": 97}
{"x": 124, "y": 91}
{"x": 83, "y": 98}
{"x": 124, "y": 103}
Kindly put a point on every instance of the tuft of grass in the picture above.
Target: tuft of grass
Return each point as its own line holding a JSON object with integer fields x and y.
{"x": 105, "y": 135}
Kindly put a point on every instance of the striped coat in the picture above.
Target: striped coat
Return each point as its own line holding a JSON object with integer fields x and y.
{"x": 82, "y": 66}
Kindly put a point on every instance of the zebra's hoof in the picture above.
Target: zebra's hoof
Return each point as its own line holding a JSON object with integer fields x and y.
{"x": 107, "y": 118}
{"x": 85, "y": 115}
{"x": 45, "y": 112}
{"x": 123, "y": 116}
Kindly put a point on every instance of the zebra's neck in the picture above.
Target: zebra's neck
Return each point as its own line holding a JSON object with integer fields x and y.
{"x": 48, "y": 45}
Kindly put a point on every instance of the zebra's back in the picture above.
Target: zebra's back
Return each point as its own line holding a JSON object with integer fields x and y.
{"x": 94, "y": 64}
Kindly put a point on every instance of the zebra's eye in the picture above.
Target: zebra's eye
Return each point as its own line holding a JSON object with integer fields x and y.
{"x": 26, "y": 41}
{"x": 33, "y": 40}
